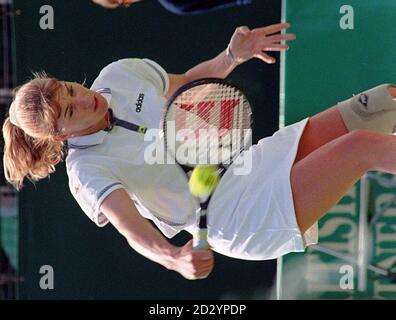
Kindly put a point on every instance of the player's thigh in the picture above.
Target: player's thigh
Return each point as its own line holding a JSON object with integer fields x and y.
{"x": 323, "y": 177}
{"x": 320, "y": 129}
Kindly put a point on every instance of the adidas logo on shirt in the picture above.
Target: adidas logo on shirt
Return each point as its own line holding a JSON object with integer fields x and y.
{"x": 139, "y": 102}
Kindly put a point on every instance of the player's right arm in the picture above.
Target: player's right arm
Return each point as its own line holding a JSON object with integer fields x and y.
{"x": 148, "y": 241}
{"x": 244, "y": 45}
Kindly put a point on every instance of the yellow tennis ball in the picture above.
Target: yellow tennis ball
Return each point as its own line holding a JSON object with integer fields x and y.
{"x": 203, "y": 181}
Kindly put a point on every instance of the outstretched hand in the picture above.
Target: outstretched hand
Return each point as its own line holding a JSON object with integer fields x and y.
{"x": 112, "y": 4}
{"x": 246, "y": 44}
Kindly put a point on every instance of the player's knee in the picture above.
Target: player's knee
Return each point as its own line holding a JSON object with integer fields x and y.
{"x": 373, "y": 109}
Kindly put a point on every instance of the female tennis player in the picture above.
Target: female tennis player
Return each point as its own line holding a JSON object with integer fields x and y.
{"x": 296, "y": 175}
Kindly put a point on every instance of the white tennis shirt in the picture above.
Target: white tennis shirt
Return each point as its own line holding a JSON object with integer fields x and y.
{"x": 105, "y": 161}
{"x": 251, "y": 216}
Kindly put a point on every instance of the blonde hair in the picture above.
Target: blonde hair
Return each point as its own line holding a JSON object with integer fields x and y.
{"x": 31, "y": 149}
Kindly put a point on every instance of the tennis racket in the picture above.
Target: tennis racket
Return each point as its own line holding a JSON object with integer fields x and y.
{"x": 206, "y": 122}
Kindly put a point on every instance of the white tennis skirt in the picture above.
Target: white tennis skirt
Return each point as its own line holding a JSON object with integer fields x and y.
{"x": 251, "y": 216}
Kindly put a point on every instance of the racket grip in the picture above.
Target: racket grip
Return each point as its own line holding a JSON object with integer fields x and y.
{"x": 200, "y": 241}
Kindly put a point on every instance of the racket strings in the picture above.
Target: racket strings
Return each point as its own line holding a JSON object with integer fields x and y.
{"x": 215, "y": 117}
{"x": 221, "y": 109}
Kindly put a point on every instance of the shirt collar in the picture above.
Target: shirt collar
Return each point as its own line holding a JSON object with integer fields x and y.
{"x": 93, "y": 139}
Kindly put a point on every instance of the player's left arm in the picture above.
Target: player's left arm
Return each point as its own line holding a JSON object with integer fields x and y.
{"x": 244, "y": 45}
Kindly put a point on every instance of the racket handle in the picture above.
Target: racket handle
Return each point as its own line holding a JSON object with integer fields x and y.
{"x": 200, "y": 241}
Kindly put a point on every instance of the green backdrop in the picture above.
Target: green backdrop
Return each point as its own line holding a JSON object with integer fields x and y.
{"x": 328, "y": 64}
{"x": 93, "y": 263}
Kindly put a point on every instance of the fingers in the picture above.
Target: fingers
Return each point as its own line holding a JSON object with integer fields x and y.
{"x": 272, "y": 28}
{"x": 203, "y": 255}
{"x": 269, "y": 41}
{"x": 246, "y": 44}
{"x": 263, "y": 33}
{"x": 108, "y": 4}
{"x": 196, "y": 264}
{"x": 276, "y": 28}
{"x": 281, "y": 37}
{"x": 272, "y": 44}
{"x": 202, "y": 271}
{"x": 276, "y": 47}
{"x": 265, "y": 57}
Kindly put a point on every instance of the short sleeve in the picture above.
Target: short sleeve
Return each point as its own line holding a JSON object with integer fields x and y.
{"x": 148, "y": 70}
{"x": 124, "y": 73}
{"x": 90, "y": 185}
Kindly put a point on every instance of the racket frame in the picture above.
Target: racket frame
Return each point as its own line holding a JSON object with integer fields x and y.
{"x": 200, "y": 239}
